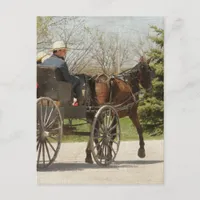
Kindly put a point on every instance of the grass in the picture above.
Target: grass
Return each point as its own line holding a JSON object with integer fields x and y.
{"x": 128, "y": 132}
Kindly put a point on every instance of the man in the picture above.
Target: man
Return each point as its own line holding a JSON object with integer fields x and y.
{"x": 57, "y": 59}
{"x": 40, "y": 56}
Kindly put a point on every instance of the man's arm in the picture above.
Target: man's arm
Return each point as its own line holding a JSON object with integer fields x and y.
{"x": 64, "y": 69}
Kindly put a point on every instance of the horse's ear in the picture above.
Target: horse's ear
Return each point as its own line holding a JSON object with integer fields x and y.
{"x": 148, "y": 61}
{"x": 142, "y": 59}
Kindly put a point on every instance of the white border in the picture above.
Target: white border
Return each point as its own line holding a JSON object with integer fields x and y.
{"x": 18, "y": 50}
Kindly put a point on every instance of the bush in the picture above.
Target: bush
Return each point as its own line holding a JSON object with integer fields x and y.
{"x": 151, "y": 111}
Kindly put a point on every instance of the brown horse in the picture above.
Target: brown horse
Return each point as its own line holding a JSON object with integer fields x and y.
{"x": 124, "y": 89}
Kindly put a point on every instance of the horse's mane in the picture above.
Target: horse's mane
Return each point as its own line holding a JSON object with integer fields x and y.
{"x": 132, "y": 70}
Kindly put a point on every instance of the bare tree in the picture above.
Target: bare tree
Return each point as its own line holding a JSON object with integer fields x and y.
{"x": 73, "y": 31}
{"x": 110, "y": 52}
{"x": 140, "y": 44}
{"x": 91, "y": 47}
{"x": 43, "y": 32}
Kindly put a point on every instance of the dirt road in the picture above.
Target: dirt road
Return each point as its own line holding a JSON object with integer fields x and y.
{"x": 70, "y": 166}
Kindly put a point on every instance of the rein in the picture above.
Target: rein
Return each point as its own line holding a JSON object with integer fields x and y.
{"x": 123, "y": 105}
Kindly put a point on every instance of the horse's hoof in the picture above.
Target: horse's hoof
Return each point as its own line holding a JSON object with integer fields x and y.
{"x": 109, "y": 157}
{"x": 89, "y": 160}
{"x": 141, "y": 153}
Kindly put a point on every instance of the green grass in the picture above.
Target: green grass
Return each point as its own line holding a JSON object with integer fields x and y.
{"x": 128, "y": 132}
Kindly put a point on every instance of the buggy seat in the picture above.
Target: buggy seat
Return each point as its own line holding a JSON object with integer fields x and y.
{"x": 51, "y": 84}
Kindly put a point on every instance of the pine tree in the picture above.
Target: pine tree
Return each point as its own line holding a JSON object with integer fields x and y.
{"x": 151, "y": 110}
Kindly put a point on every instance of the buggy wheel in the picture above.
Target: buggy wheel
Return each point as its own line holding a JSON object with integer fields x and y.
{"x": 49, "y": 132}
{"x": 105, "y": 135}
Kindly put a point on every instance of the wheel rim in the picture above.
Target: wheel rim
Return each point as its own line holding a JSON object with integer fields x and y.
{"x": 49, "y": 132}
{"x": 105, "y": 136}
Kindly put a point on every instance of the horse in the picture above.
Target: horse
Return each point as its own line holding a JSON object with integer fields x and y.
{"x": 123, "y": 89}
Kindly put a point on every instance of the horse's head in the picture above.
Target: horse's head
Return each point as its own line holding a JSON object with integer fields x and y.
{"x": 144, "y": 74}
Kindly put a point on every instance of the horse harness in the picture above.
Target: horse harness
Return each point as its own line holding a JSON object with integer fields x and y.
{"x": 122, "y": 106}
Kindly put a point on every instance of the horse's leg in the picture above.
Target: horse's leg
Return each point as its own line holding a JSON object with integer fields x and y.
{"x": 98, "y": 142}
{"x": 88, "y": 151}
{"x": 88, "y": 158}
{"x": 113, "y": 136}
{"x": 134, "y": 118}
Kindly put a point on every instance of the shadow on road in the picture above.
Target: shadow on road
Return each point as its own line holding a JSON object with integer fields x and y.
{"x": 138, "y": 162}
{"x": 77, "y": 166}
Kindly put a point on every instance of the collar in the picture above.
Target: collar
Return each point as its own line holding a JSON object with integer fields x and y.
{"x": 58, "y": 57}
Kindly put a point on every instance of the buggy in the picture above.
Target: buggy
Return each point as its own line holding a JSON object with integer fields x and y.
{"x": 54, "y": 107}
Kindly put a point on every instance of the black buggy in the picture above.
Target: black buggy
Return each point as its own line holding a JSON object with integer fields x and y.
{"x": 54, "y": 107}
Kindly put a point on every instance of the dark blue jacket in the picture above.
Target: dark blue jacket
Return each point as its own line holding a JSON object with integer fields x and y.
{"x": 60, "y": 64}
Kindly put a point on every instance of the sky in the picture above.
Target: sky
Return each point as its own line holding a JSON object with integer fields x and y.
{"x": 129, "y": 28}
{"x": 137, "y": 25}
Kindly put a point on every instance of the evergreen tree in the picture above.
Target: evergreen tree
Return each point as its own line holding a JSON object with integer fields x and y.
{"x": 151, "y": 110}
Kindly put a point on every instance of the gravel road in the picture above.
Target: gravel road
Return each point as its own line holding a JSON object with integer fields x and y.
{"x": 70, "y": 166}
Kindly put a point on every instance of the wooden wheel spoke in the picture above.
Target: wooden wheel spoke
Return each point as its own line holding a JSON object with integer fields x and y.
{"x": 106, "y": 118}
{"x": 49, "y": 116}
{"x": 105, "y": 124}
{"x": 45, "y": 114}
{"x": 98, "y": 131}
{"x": 102, "y": 129}
{"x": 38, "y": 143}
{"x": 97, "y": 137}
{"x": 55, "y": 129}
{"x": 54, "y": 138}
{"x": 113, "y": 150}
{"x": 106, "y": 128}
{"x": 41, "y": 118}
{"x": 49, "y": 131}
{"x": 111, "y": 122}
{"x": 49, "y": 125}
{"x": 100, "y": 125}
{"x": 50, "y": 145}
{"x": 43, "y": 154}
{"x": 112, "y": 140}
{"x": 101, "y": 147}
{"x": 105, "y": 154}
{"x": 113, "y": 134}
{"x": 109, "y": 117}
{"x": 102, "y": 118}
{"x": 111, "y": 129}
{"x": 98, "y": 144}
{"x": 38, "y": 158}
{"x": 47, "y": 151}
{"x": 41, "y": 113}
{"x": 102, "y": 153}
{"x": 94, "y": 147}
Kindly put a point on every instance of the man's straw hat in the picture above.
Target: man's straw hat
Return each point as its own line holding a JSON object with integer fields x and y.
{"x": 58, "y": 45}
